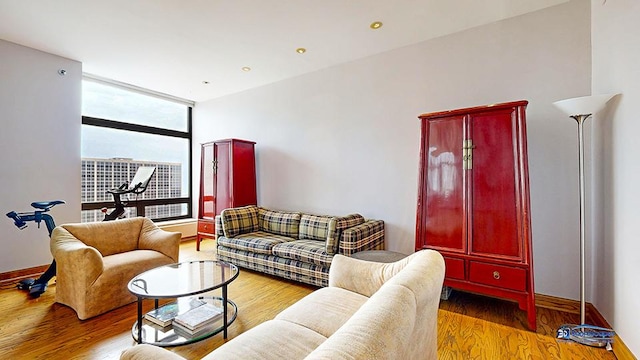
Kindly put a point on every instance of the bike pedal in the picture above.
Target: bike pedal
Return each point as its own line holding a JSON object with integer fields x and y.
{"x": 37, "y": 290}
{"x": 25, "y": 284}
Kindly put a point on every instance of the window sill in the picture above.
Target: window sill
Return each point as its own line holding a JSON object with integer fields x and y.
{"x": 188, "y": 227}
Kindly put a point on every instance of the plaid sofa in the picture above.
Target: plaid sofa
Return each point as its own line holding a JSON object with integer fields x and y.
{"x": 292, "y": 245}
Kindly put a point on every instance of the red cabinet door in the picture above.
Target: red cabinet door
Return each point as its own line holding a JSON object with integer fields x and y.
{"x": 222, "y": 177}
{"x": 444, "y": 213}
{"x": 493, "y": 224}
{"x": 243, "y": 173}
{"x": 207, "y": 197}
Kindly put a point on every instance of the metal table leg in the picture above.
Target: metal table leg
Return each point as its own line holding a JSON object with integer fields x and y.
{"x": 140, "y": 320}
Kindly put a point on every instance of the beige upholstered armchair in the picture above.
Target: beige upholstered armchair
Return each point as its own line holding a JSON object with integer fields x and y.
{"x": 95, "y": 261}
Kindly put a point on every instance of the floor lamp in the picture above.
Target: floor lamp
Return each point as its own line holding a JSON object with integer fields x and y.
{"x": 580, "y": 109}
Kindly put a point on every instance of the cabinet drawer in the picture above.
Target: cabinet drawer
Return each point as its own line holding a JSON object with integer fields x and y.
{"x": 454, "y": 268}
{"x": 206, "y": 227}
{"x": 498, "y": 275}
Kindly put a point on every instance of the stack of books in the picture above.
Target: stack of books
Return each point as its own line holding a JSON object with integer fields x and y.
{"x": 197, "y": 321}
{"x": 163, "y": 316}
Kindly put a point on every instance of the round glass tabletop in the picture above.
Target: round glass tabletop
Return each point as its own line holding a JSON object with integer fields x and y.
{"x": 183, "y": 279}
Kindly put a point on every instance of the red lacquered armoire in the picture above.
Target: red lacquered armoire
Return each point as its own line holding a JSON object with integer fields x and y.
{"x": 473, "y": 200}
{"x": 227, "y": 179}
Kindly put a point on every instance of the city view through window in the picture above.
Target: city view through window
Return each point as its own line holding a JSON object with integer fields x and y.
{"x": 123, "y": 130}
{"x": 100, "y": 175}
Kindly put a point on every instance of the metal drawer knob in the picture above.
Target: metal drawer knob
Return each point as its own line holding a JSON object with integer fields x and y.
{"x": 496, "y": 275}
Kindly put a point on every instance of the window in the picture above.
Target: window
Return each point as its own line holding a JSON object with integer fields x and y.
{"x": 123, "y": 128}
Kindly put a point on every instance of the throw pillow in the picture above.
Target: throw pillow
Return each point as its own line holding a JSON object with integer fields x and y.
{"x": 279, "y": 222}
{"x": 240, "y": 220}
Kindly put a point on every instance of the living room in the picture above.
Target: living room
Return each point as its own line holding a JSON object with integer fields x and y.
{"x": 346, "y": 138}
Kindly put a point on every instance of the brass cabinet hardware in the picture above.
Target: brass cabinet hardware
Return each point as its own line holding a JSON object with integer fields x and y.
{"x": 467, "y": 154}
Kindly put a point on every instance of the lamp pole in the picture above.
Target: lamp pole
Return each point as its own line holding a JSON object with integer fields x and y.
{"x": 580, "y": 119}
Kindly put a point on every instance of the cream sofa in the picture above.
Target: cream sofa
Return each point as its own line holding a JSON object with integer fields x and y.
{"x": 369, "y": 311}
{"x": 95, "y": 261}
{"x": 292, "y": 245}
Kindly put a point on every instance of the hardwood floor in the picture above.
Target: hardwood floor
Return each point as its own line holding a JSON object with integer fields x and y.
{"x": 469, "y": 326}
{"x": 477, "y": 327}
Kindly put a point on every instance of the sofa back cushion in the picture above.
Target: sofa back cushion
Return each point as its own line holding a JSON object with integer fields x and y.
{"x": 321, "y": 228}
{"x": 240, "y": 220}
{"x": 279, "y": 222}
{"x": 108, "y": 237}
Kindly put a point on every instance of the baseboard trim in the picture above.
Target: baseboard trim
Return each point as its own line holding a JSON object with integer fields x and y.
{"x": 17, "y": 275}
{"x": 556, "y": 303}
{"x": 592, "y": 315}
{"x": 620, "y": 349}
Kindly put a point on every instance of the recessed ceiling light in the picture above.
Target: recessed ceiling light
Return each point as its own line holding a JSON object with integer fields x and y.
{"x": 246, "y": 69}
{"x": 301, "y": 50}
{"x": 376, "y": 25}
{"x": 205, "y": 82}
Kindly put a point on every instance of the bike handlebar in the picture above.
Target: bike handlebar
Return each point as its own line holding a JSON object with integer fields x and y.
{"x": 17, "y": 220}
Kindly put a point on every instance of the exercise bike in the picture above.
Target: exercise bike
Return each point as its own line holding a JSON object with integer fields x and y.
{"x": 37, "y": 286}
{"x": 139, "y": 184}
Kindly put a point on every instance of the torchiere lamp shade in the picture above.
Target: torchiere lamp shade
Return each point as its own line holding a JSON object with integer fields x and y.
{"x": 585, "y": 105}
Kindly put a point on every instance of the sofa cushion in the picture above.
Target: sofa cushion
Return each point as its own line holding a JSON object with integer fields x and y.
{"x": 279, "y": 222}
{"x": 274, "y": 339}
{"x": 323, "y": 301}
{"x": 258, "y": 242}
{"x": 308, "y": 251}
{"x": 240, "y": 220}
{"x": 315, "y": 227}
{"x": 322, "y": 228}
{"x": 305, "y": 272}
{"x": 382, "y": 328}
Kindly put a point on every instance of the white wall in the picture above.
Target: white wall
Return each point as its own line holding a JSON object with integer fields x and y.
{"x": 616, "y": 69}
{"x": 40, "y": 147}
{"x": 346, "y": 139}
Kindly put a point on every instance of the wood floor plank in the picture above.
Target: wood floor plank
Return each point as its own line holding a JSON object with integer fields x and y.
{"x": 469, "y": 326}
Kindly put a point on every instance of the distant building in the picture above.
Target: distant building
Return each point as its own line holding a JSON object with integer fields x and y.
{"x": 100, "y": 175}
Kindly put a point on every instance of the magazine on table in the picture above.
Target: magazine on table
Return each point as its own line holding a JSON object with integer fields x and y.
{"x": 190, "y": 334}
{"x": 197, "y": 318}
{"x": 164, "y": 315}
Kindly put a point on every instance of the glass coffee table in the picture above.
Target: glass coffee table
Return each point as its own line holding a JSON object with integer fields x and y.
{"x": 184, "y": 282}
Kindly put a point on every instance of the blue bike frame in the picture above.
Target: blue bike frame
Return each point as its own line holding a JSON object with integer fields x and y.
{"x": 37, "y": 287}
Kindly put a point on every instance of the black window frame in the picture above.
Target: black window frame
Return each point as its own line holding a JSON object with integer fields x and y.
{"x": 141, "y": 204}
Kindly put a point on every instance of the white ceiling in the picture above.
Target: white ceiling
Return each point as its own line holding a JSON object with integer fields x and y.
{"x": 173, "y": 46}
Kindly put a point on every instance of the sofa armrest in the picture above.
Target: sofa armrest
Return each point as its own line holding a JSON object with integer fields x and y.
{"x": 154, "y": 238}
{"x": 360, "y": 276}
{"x": 144, "y": 352}
{"x": 218, "y": 223}
{"x": 84, "y": 261}
{"x": 366, "y": 236}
